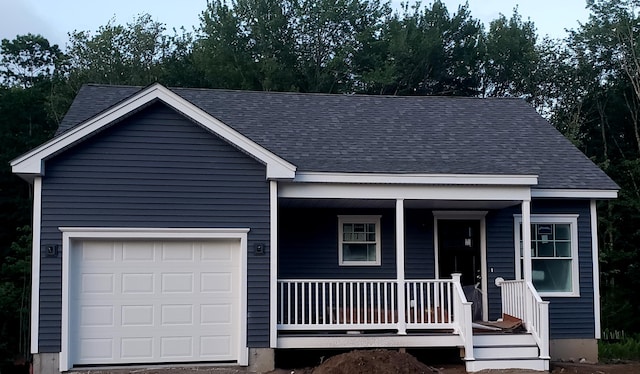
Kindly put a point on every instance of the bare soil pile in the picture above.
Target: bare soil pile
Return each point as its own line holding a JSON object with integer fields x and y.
{"x": 377, "y": 361}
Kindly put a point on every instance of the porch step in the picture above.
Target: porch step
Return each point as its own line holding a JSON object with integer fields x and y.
{"x": 505, "y": 351}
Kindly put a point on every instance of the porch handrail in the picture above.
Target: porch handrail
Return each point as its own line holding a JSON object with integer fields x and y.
{"x": 464, "y": 317}
{"x": 520, "y": 299}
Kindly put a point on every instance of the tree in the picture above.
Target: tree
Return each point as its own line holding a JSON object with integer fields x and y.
{"x": 427, "y": 52}
{"x": 116, "y": 54}
{"x": 28, "y": 59}
{"x": 512, "y": 58}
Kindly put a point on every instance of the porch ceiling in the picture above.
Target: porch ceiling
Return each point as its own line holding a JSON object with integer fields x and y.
{"x": 408, "y": 204}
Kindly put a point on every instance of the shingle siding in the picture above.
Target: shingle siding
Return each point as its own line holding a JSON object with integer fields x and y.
{"x": 155, "y": 169}
{"x": 570, "y": 317}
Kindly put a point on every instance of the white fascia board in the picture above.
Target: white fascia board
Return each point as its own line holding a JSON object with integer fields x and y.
{"x": 408, "y": 191}
{"x": 33, "y": 162}
{"x": 574, "y": 193}
{"x": 390, "y": 178}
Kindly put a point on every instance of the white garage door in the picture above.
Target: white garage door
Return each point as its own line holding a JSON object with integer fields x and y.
{"x": 154, "y": 301}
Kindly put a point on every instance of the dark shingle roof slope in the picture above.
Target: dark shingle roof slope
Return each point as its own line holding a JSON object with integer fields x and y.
{"x": 386, "y": 134}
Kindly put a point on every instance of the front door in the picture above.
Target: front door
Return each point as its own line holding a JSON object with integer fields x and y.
{"x": 459, "y": 250}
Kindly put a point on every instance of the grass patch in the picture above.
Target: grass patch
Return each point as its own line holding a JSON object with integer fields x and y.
{"x": 627, "y": 348}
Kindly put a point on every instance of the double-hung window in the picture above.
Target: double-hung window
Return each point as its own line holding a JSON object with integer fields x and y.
{"x": 359, "y": 240}
{"x": 554, "y": 254}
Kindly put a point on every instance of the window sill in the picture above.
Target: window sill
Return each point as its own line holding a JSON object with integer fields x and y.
{"x": 559, "y": 294}
{"x": 360, "y": 263}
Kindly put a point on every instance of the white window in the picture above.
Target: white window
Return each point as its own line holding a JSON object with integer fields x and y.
{"x": 554, "y": 254}
{"x": 359, "y": 240}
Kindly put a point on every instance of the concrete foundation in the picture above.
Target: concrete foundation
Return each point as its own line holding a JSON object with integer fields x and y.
{"x": 261, "y": 360}
{"x": 46, "y": 363}
{"x": 573, "y": 349}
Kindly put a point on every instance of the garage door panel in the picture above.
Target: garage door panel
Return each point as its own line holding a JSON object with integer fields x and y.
{"x": 176, "y": 346}
{"x": 146, "y": 301}
{"x": 216, "y": 314}
{"x": 138, "y": 251}
{"x": 177, "y": 282}
{"x": 92, "y": 283}
{"x": 176, "y": 315}
{"x": 137, "y": 348}
{"x": 137, "y": 283}
{"x": 213, "y": 347}
{"x": 216, "y": 282}
{"x": 96, "y": 316}
{"x": 137, "y": 315}
{"x": 177, "y": 252}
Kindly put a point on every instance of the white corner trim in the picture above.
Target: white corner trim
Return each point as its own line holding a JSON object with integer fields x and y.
{"x": 33, "y": 161}
{"x": 35, "y": 263}
{"x": 273, "y": 258}
{"x": 596, "y": 268}
{"x": 389, "y": 178}
{"x": 70, "y": 234}
{"x": 571, "y": 193}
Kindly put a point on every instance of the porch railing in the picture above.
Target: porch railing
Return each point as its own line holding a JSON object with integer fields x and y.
{"x": 520, "y": 299}
{"x": 373, "y": 304}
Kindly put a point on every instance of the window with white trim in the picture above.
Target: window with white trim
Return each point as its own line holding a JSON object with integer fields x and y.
{"x": 554, "y": 254}
{"x": 359, "y": 240}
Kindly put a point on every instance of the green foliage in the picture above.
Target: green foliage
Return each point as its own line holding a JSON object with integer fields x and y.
{"x": 626, "y": 349}
{"x": 15, "y": 292}
{"x": 27, "y": 60}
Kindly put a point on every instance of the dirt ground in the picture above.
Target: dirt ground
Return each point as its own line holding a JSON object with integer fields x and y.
{"x": 380, "y": 361}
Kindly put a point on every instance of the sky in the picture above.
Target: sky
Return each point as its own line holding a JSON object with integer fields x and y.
{"x": 55, "y": 18}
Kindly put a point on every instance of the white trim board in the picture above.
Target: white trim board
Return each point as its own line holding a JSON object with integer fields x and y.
{"x": 35, "y": 264}
{"x": 573, "y": 193}
{"x": 273, "y": 258}
{"x": 596, "y": 268}
{"x": 32, "y": 163}
{"x": 70, "y": 234}
{"x": 388, "y": 178}
{"x": 403, "y": 191}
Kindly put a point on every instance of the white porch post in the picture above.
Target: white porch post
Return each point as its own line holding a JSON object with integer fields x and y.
{"x": 273, "y": 264}
{"x": 402, "y": 321}
{"x": 526, "y": 240}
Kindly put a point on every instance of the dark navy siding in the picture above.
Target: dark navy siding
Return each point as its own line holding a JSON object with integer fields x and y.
{"x": 573, "y": 317}
{"x": 155, "y": 169}
{"x": 418, "y": 242}
{"x": 570, "y": 317}
{"x": 500, "y": 254}
{"x": 308, "y": 244}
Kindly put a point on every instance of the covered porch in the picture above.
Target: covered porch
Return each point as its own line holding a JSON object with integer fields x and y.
{"x": 401, "y": 301}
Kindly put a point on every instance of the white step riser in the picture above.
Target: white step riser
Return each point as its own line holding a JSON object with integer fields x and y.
{"x": 538, "y": 365}
{"x": 503, "y": 340}
{"x": 505, "y": 352}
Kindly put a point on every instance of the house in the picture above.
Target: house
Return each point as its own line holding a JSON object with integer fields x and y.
{"x": 192, "y": 225}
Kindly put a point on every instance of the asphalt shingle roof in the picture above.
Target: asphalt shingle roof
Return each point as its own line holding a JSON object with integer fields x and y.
{"x": 386, "y": 134}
